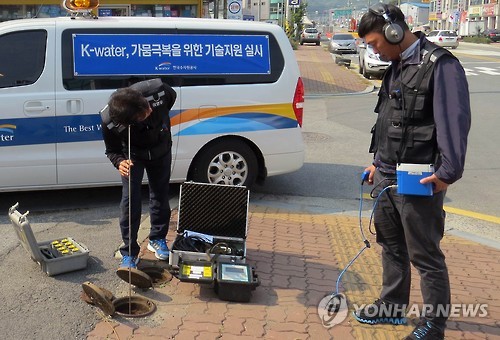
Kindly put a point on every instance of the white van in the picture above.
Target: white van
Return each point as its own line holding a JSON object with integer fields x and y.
{"x": 237, "y": 118}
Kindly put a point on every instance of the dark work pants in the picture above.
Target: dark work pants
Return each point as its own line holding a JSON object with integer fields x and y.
{"x": 158, "y": 172}
{"x": 409, "y": 229}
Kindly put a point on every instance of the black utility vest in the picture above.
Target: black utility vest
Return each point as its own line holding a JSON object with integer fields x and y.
{"x": 408, "y": 135}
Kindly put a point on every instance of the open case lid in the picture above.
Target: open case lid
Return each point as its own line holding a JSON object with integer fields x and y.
{"x": 24, "y": 233}
{"x": 213, "y": 209}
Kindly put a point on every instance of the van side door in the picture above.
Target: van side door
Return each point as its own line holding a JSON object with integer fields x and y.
{"x": 27, "y": 107}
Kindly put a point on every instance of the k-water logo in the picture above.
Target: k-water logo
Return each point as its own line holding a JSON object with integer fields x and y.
{"x": 165, "y": 66}
{"x": 7, "y": 132}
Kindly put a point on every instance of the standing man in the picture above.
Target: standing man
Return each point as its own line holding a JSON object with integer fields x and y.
{"x": 423, "y": 118}
{"x": 144, "y": 107}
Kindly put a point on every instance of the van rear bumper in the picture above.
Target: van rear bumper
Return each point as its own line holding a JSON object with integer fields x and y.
{"x": 284, "y": 163}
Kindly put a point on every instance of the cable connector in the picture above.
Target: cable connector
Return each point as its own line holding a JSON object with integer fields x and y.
{"x": 364, "y": 176}
{"x": 367, "y": 243}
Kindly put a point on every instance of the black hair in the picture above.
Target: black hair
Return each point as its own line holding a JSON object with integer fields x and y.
{"x": 125, "y": 105}
{"x": 373, "y": 22}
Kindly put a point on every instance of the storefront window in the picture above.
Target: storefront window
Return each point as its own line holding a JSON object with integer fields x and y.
{"x": 164, "y": 10}
{"x": 10, "y": 12}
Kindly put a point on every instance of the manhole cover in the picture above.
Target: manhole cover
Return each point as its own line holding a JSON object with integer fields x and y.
{"x": 316, "y": 137}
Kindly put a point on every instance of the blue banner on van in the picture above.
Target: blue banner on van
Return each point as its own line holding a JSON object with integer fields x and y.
{"x": 165, "y": 54}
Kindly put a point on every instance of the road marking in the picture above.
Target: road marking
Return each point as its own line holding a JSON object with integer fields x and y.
{"x": 488, "y": 70}
{"x": 469, "y": 72}
{"x": 462, "y": 212}
{"x": 477, "y": 52}
{"x": 467, "y": 213}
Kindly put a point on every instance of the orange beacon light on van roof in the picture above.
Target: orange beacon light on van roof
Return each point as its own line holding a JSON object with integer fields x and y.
{"x": 80, "y": 5}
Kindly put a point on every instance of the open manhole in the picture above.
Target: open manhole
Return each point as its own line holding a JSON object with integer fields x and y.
{"x": 134, "y": 306}
{"x": 129, "y": 306}
{"x": 158, "y": 275}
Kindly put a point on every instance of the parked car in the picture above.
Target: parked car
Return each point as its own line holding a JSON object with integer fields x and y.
{"x": 342, "y": 43}
{"x": 310, "y": 35}
{"x": 444, "y": 38}
{"x": 370, "y": 63}
{"x": 492, "y": 34}
{"x": 424, "y": 29}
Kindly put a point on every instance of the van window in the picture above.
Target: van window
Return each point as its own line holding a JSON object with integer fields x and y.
{"x": 72, "y": 82}
{"x": 22, "y": 57}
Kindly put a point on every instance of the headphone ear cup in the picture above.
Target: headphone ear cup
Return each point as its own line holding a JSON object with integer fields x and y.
{"x": 393, "y": 33}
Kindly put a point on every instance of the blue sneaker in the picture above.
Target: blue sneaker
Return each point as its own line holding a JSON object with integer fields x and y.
{"x": 160, "y": 248}
{"x": 129, "y": 262}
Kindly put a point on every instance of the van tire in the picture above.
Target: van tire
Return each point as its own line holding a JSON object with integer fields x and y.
{"x": 227, "y": 161}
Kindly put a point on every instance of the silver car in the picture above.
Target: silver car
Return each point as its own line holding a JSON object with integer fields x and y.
{"x": 342, "y": 43}
{"x": 444, "y": 38}
{"x": 370, "y": 63}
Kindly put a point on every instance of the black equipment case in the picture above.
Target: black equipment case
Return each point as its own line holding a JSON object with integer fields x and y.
{"x": 210, "y": 246}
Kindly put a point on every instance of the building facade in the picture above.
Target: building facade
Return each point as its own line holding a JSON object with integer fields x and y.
{"x": 416, "y": 14}
{"x": 467, "y": 17}
{"x": 17, "y": 9}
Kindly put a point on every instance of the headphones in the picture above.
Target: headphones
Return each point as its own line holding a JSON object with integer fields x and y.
{"x": 393, "y": 32}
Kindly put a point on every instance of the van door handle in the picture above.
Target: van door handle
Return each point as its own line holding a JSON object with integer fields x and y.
{"x": 36, "y": 108}
{"x": 74, "y": 106}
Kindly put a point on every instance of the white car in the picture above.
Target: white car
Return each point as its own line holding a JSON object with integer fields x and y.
{"x": 370, "y": 63}
{"x": 444, "y": 38}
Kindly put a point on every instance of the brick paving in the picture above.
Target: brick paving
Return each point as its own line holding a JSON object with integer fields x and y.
{"x": 322, "y": 76}
{"x": 298, "y": 257}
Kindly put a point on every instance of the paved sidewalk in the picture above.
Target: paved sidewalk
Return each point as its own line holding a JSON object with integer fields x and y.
{"x": 322, "y": 76}
{"x": 298, "y": 257}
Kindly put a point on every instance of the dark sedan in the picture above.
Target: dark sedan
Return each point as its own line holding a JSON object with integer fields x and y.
{"x": 492, "y": 34}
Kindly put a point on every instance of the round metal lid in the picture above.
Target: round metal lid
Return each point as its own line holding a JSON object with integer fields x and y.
{"x": 138, "y": 278}
{"x": 99, "y": 297}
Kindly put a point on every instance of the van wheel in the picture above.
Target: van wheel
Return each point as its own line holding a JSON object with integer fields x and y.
{"x": 229, "y": 162}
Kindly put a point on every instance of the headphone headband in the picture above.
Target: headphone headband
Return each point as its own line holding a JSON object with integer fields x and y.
{"x": 382, "y": 10}
{"x": 393, "y": 32}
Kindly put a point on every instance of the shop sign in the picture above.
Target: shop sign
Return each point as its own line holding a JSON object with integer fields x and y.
{"x": 489, "y": 10}
{"x": 474, "y": 11}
